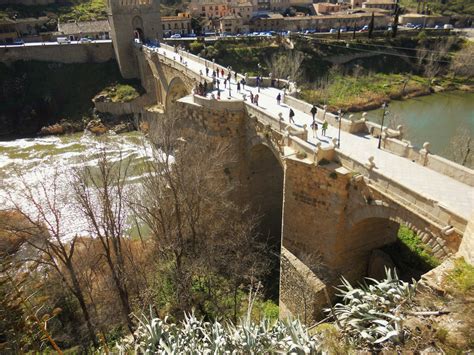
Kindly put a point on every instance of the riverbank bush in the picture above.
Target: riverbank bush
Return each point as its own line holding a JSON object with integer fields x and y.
{"x": 121, "y": 92}
{"x": 369, "y": 91}
{"x": 411, "y": 256}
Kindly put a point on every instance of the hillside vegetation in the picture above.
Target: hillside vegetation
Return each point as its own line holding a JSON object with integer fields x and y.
{"x": 79, "y": 10}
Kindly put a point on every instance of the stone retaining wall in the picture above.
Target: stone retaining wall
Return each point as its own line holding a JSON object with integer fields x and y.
{"x": 301, "y": 291}
{"x": 64, "y": 53}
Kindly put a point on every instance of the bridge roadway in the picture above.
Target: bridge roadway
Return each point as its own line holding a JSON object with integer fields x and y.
{"x": 452, "y": 194}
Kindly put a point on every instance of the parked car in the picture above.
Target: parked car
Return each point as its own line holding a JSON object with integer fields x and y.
{"x": 18, "y": 42}
{"x": 448, "y": 26}
{"x": 85, "y": 40}
{"x": 438, "y": 27}
{"x": 63, "y": 40}
{"x": 176, "y": 35}
{"x": 332, "y": 30}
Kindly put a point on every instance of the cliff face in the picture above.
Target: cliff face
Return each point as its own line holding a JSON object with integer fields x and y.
{"x": 36, "y": 94}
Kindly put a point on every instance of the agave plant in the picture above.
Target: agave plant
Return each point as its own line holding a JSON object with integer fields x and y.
{"x": 371, "y": 312}
{"x": 195, "y": 336}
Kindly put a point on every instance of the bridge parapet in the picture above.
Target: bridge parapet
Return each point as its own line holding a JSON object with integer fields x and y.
{"x": 251, "y": 80}
{"x": 173, "y": 63}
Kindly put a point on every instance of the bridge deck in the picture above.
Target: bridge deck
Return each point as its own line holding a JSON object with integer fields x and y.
{"x": 448, "y": 192}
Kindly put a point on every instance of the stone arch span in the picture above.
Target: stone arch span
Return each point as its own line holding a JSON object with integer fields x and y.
{"x": 265, "y": 185}
{"x": 440, "y": 244}
{"x": 265, "y": 196}
{"x": 176, "y": 90}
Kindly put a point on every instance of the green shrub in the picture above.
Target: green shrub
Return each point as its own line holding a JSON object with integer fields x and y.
{"x": 416, "y": 246}
{"x": 461, "y": 278}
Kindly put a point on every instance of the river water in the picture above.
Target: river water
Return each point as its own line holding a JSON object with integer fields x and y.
{"x": 434, "y": 118}
{"x": 36, "y": 161}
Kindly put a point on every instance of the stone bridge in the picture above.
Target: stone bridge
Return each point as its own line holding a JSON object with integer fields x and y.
{"x": 328, "y": 207}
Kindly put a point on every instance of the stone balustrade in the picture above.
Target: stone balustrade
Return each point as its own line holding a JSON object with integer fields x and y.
{"x": 251, "y": 80}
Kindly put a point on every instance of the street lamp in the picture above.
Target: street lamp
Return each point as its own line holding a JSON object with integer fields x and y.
{"x": 384, "y": 112}
{"x": 339, "y": 118}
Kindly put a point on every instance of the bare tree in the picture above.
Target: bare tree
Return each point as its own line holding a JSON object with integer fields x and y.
{"x": 462, "y": 63}
{"x": 431, "y": 60}
{"x": 100, "y": 194}
{"x": 460, "y": 147}
{"x": 185, "y": 201}
{"x": 43, "y": 231}
{"x": 286, "y": 64}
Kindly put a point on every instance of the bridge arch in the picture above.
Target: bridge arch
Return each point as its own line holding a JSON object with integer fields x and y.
{"x": 176, "y": 90}
{"x": 265, "y": 185}
{"x": 265, "y": 195}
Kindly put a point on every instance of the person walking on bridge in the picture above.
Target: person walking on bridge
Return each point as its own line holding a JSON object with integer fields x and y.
{"x": 278, "y": 98}
{"x": 207, "y": 71}
{"x": 314, "y": 126}
{"x": 225, "y": 83}
{"x": 238, "y": 87}
{"x": 222, "y": 72}
{"x": 292, "y": 115}
{"x": 314, "y": 111}
{"x": 251, "y": 97}
{"x": 255, "y": 99}
{"x": 325, "y": 127}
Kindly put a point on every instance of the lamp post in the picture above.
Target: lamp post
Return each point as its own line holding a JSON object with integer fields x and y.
{"x": 384, "y": 106}
{"x": 339, "y": 118}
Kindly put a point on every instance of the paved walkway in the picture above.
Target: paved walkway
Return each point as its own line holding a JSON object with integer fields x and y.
{"x": 454, "y": 195}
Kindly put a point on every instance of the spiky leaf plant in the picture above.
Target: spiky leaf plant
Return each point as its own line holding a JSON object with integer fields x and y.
{"x": 371, "y": 313}
{"x": 195, "y": 336}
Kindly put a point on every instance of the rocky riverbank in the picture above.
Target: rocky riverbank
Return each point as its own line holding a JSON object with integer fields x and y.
{"x": 100, "y": 124}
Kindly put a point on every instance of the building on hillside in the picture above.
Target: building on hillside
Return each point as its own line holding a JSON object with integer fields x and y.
{"x": 267, "y": 22}
{"x": 8, "y": 33}
{"x": 323, "y": 8}
{"x": 243, "y": 10}
{"x": 380, "y": 4}
{"x": 208, "y": 9}
{"x": 232, "y": 24}
{"x": 424, "y": 20}
{"x": 326, "y": 22}
{"x": 271, "y": 5}
{"x": 180, "y": 24}
{"x": 90, "y": 29}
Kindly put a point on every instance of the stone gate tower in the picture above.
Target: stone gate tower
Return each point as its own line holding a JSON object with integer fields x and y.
{"x": 130, "y": 20}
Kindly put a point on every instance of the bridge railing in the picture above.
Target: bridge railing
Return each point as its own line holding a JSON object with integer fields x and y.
{"x": 182, "y": 67}
{"x": 391, "y": 142}
{"x": 276, "y": 122}
{"x": 251, "y": 80}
